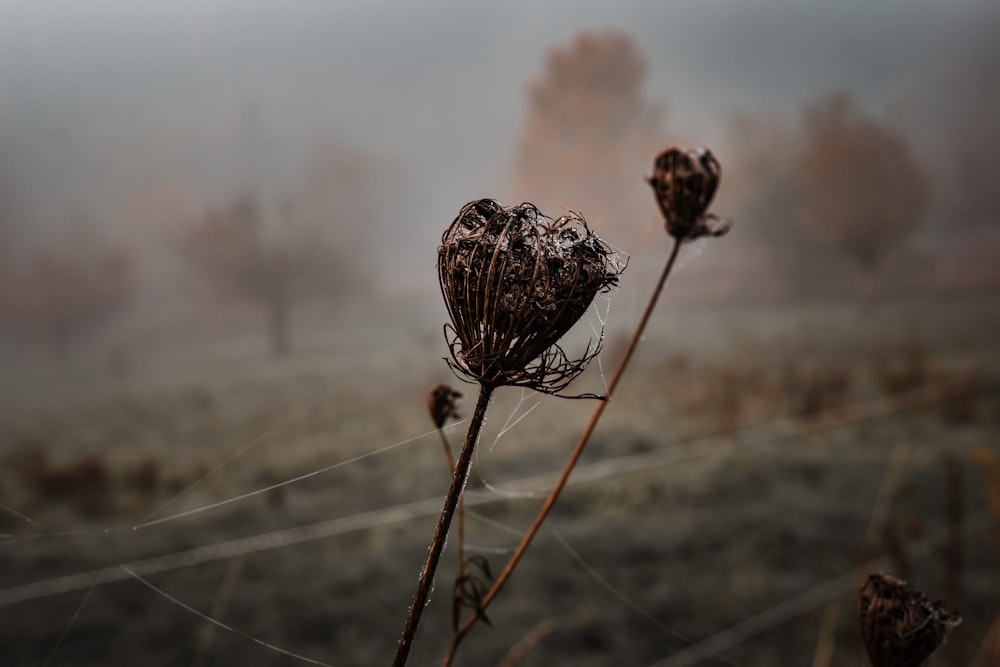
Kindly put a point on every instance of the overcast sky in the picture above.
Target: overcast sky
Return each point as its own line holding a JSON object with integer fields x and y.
{"x": 102, "y": 101}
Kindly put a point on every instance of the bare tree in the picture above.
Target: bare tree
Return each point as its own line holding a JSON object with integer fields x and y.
{"x": 762, "y": 158}
{"x": 857, "y": 187}
{"x": 590, "y": 134}
{"x": 272, "y": 262}
{"x": 64, "y": 291}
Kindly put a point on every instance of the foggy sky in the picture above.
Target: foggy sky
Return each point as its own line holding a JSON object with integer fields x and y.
{"x": 102, "y": 102}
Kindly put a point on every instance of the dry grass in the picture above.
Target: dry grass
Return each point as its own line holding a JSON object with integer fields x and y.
{"x": 701, "y": 542}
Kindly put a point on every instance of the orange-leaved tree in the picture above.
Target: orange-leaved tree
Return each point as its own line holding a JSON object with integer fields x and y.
{"x": 589, "y": 132}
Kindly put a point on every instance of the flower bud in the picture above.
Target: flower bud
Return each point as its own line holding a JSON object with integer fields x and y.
{"x": 685, "y": 180}
{"x": 442, "y": 404}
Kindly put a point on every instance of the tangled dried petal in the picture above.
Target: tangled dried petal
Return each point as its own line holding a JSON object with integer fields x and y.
{"x": 514, "y": 282}
{"x": 685, "y": 180}
{"x": 900, "y": 626}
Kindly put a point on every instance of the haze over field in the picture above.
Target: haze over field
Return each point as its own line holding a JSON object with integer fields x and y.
{"x": 358, "y": 129}
{"x": 220, "y": 318}
{"x": 116, "y": 111}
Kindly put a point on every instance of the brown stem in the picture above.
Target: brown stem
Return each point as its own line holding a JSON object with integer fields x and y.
{"x": 441, "y": 531}
{"x": 447, "y": 451}
{"x": 461, "y": 504}
{"x": 952, "y": 553}
{"x": 550, "y": 501}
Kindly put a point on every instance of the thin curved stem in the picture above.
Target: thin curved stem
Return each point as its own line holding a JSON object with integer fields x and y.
{"x": 441, "y": 531}
{"x": 553, "y": 496}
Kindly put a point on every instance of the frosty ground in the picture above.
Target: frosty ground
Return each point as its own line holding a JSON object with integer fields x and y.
{"x": 737, "y": 469}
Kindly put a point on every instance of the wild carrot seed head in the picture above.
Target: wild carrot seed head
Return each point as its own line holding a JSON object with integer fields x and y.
{"x": 900, "y": 626}
{"x": 514, "y": 282}
{"x": 685, "y": 181}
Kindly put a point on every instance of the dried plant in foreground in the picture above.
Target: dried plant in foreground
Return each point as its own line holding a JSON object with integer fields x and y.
{"x": 900, "y": 626}
{"x": 684, "y": 181}
{"x": 442, "y": 403}
{"x": 514, "y": 281}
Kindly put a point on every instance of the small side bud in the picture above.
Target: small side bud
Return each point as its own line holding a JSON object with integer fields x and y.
{"x": 442, "y": 403}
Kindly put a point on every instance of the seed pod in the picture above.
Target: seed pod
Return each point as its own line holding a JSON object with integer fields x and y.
{"x": 442, "y": 404}
{"x": 685, "y": 180}
{"x": 900, "y": 626}
{"x": 514, "y": 282}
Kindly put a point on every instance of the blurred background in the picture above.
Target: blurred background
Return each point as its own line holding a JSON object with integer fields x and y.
{"x": 133, "y": 139}
{"x": 218, "y": 228}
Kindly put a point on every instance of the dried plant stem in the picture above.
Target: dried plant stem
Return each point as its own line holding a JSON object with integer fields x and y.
{"x": 553, "y": 496}
{"x": 461, "y": 504}
{"x": 441, "y": 531}
{"x": 518, "y": 651}
{"x": 449, "y": 456}
{"x": 882, "y": 506}
{"x": 989, "y": 651}
{"x": 827, "y": 641}
{"x": 222, "y": 597}
{"x": 952, "y": 553}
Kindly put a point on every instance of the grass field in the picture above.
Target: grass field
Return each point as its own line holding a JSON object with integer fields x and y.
{"x": 751, "y": 460}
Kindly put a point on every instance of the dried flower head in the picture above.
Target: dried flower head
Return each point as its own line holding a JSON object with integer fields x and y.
{"x": 441, "y": 402}
{"x": 514, "y": 282}
{"x": 685, "y": 180}
{"x": 900, "y": 626}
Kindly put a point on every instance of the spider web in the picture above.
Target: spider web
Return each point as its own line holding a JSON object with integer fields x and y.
{"x": 521, "y": 420}
{"x": 165, "y": 513}
{"x": 191, "y": 498}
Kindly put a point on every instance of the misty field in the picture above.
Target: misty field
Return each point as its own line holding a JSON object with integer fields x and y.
{"x": 755, "y": 455}
{"x": 234, "y": 316}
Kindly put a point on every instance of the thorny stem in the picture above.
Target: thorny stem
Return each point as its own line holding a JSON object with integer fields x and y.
{"x": 441, "y": 531}
{"x": 553, "y": 496}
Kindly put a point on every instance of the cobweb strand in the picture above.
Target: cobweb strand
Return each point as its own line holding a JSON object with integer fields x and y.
{"x": 620, "y": 596}
{"x": 73, "y": 619}
{"x": 219, "y": 624}
{"x": 293, "y": 480}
